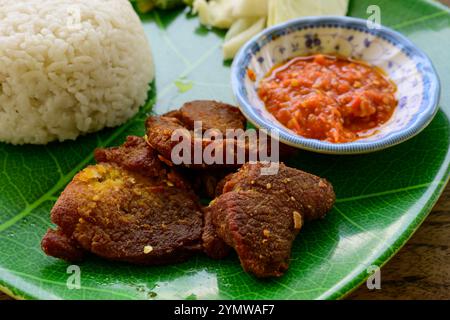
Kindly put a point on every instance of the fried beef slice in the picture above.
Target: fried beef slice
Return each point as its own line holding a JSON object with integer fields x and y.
{"x": 134, "y": 155}
{"x": 312, "y": 196}
{"x": 260, "y": 215}
{"x": 213, "y": 245}
{"x": 124, "y": 209}
{"x": 232, "y": 149}
{"x": 137, "y": 155}
{"x": 212, "y": 114}
{"x": 159, "y": 135}
{"x": 56, "y": 244}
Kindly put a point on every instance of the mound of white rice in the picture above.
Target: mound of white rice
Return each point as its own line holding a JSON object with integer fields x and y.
{"x": 69, "y": 67}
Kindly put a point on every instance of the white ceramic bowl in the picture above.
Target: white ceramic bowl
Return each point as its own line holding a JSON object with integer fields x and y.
{"x": 405, "y": 64}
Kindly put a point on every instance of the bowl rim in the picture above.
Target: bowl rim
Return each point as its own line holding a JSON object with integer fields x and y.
{"x": 429, "y": 106}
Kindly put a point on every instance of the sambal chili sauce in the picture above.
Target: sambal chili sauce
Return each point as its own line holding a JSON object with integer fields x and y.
{"x": 328, "y": 98}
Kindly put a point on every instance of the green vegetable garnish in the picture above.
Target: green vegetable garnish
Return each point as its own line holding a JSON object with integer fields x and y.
{"x": 145, "y": 6}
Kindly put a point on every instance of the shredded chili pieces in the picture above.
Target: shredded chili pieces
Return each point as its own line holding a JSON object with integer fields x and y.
{"x": 329, "y": 98}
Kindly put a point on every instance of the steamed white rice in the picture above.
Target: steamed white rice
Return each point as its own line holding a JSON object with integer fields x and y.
{"x": 69, "y": 67}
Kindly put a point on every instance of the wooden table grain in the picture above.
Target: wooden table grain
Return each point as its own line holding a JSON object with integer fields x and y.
{"x": 421, "y": 269}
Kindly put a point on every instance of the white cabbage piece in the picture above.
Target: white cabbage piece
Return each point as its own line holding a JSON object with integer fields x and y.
{"x": 215, "y": 13}
{"x": 246, "y": 18}
{"x": 240, "y": 32}
{"x": 284, "y": 10}
{"x": 250, "y": 8}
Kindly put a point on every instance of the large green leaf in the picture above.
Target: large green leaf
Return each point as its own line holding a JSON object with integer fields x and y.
{"x": 382, "y": 197}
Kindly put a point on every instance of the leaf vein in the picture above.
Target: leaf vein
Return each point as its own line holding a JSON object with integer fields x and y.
{"x": 115, "y": 293}
{"x": 388, "y": 192}
{"x": 421, "y": 19}
{"x": 167, "y": 39}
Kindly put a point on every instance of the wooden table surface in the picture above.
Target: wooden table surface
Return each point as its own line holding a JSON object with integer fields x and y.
{"x": 421, "y": 269}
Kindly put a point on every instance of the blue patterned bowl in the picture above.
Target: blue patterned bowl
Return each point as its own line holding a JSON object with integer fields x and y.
{"x": 411, "y": 70}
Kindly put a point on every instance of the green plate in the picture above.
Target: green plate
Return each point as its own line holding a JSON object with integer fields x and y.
{"x": 382, "y": 197}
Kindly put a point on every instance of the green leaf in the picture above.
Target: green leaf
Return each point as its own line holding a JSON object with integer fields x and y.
{"x": 382, "y": 197}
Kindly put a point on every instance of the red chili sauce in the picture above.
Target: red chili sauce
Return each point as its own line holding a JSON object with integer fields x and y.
{"x": 328, "y": 98}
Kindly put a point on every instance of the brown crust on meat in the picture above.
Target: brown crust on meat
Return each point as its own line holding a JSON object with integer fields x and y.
{"x": 55, "y": 243}
{"x": 213, "y": 245}
{"x": 134, "y": 155}
{"x": 221, "y": 184}
{"x": 260, "y": 215}
{"x": 313, "y": 196}
{"x": 231, "y": 150}
{"x": 159, "y": 135}
{"x": 138, "y": 156}
{"x": 173, "y": 114}
{"x": 212, "y": 114}
{"x": 240, "y": 218}
{"x": 117, "y": 214}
